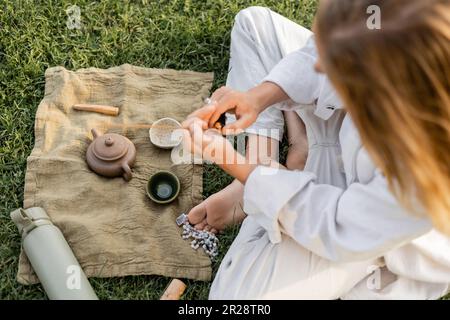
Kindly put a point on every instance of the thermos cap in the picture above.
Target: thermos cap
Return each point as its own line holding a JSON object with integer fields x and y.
{"x": 27, "y": 220}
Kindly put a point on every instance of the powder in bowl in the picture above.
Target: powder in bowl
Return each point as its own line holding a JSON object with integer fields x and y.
{"x": 163, "y": 133}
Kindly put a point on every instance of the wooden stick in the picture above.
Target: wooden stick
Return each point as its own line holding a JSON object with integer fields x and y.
{"x": 174, "y": 290}
{"x": 109, "y": 110}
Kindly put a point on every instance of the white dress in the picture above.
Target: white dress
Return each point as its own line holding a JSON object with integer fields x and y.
{"x": 333, "y": 230}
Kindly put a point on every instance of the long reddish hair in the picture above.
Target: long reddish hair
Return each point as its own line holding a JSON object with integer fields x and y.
{"x": 395, "y": 84}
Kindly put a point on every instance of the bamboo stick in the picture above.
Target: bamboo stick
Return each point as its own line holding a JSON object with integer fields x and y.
{"x": 174, "y": 291}
{"x": 108, "y": 110}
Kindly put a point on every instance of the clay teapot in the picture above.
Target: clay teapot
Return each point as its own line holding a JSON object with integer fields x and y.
{"x": 111, "y": 155}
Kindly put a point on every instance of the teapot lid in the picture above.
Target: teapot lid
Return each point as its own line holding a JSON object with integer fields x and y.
{"x": 110, "y": 147}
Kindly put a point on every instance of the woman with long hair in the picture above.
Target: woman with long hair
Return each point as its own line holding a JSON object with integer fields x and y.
{"x": 368, "y": 214}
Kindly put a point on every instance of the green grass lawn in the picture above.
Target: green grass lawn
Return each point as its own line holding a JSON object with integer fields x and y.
{"x": 178, "y": 34}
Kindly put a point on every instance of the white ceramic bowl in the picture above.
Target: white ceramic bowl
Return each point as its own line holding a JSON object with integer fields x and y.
{"x": 162, "y": 133}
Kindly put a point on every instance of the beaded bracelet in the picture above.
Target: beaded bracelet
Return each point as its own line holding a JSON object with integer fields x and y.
{"x": 201, "y": 238}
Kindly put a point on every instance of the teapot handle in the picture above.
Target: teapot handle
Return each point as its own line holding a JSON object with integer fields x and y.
{"x": 127, "y": 175}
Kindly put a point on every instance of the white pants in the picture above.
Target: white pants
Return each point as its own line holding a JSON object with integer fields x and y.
{"x": 259, "y": 40}
{"x": 255, "y": 268}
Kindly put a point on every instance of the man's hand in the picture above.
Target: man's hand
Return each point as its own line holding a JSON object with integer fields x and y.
{"x": 207, "y": 144}
{"x": 245, "y": 105}
{"x": 242, "y": 104}
{"x": 224, "y": 100}
{"x": 211, "y": 146}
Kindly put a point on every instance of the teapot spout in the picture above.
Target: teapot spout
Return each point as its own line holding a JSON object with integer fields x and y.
{"x": 95, "y": 133}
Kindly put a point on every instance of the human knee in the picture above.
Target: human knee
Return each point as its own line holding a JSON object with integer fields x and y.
{"x": 245, "y": 18}
{"x": 250, "y": 13}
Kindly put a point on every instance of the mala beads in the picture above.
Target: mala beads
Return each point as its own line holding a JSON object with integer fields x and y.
{"x": 201, "y": 239}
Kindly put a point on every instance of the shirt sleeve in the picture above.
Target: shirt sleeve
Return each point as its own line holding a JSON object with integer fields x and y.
{"x": 361, "y": 222}
{"x": 295, "y": 74}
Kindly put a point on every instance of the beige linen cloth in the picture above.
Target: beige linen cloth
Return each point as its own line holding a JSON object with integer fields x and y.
{"x": 110, "y": 224}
